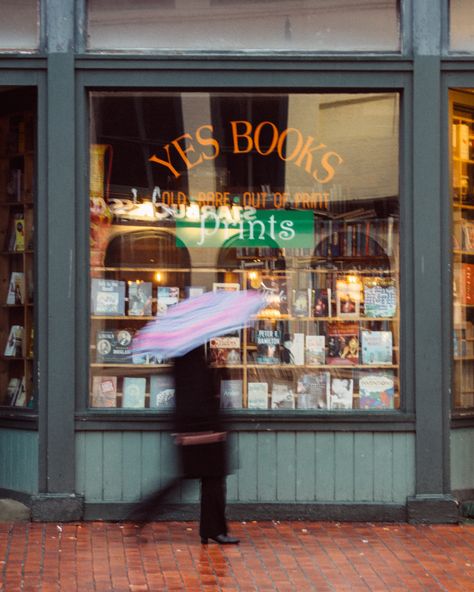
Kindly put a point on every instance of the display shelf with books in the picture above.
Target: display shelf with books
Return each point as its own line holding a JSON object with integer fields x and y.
{"x": 462, "y": 133}
{"x": 17, "y": 199}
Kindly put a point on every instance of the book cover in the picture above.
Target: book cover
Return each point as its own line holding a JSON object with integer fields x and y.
{"x": 313, "y": 390}
{"x": 341, "y": 393}
{"x": 166, "y": 296}
{"x": 376, "y": 347}
{"x": 12, "y": 391}
{"x": 466, "y": 289}
{"x": 20, "y": 399}
{"x": 192, "y": 291}
{"x": 162, "y": 392}
{"x": 225, "y": 350}
{"x": 225, "y": 287}
{"x": 322, "y": 302}
{"x": 380, "y": 298}
{"x": 283, "y": 395}
{"x": 16, "y": 288}
{"x": 14, "y": 345}
{"x": 268, "y": 346}
{"x": 133, "y": 396}
{"x": 16, "y": 238}
{"x": 376, "y": 391}
{"x": 231, "y": 394}
{"x": 107, "y": 297}
{"x": 301, "y": 302}
{"x": 257, "y": 395}
{"x": 276, "y": 293}
{"x": 343, "y": 343}
{"x": 315, "y": 350}
{"x": 292, "y": 349}
{"x": 348, "y": 297}
{"x": 139, "y": 298}
{"x": 114, "y": 346}
{"x": 104, "y": 391}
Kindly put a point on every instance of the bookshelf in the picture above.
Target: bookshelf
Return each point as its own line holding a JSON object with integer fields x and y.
{"x": 17, "y": 200}
{"x": 239, "y": 365}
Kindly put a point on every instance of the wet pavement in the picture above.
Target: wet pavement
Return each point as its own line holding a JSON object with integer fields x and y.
{"x": 283, "y": 557}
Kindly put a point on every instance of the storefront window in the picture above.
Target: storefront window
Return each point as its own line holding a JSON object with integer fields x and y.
{"x": 296, "y": 195}
{"x": 308, "y": 25}
{"x": 19, "y": 25}
{"x": 17, "y": 203}
{"x": 461, "y": 31}
{"x": 462, "y": 128}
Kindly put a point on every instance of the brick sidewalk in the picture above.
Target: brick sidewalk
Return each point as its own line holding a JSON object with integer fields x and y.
{"x": 284, "y": 557}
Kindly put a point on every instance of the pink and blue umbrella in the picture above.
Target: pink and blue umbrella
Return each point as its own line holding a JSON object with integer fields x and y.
{"x": 194, "y": 321}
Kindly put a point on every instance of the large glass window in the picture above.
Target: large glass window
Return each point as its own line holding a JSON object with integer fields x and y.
{"x": 19, "y": 25}
{"x": 17, "y": 206}
{"x": 461, "y": 30}
{"x": 308, "y": 25}
{"x": 293, "y": 194}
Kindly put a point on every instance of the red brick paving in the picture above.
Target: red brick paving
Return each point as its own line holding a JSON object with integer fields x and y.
{"x": 272, "y": 556}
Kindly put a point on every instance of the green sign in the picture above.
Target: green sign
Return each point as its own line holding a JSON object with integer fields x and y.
{"x": 258, "y": 228}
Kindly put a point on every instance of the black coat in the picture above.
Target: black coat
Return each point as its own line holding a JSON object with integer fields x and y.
{"x": 197, "y": 410}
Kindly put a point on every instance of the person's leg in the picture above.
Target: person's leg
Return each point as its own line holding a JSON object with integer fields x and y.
{"x": 213, "y": 521}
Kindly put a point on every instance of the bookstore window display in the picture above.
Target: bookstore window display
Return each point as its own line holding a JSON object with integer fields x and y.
{"x": 17, "y": 200}
{"x": 292, "y": 194}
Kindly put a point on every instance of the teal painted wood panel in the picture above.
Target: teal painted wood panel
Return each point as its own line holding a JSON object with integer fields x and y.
{"x": 462, "y": 458}
{"x": 286, "y": 467}
{"x": 272, "y": 466}
{"x": 19, "y": 466}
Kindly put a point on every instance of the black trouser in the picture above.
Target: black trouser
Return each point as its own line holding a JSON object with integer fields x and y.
{"x": 213, "y": 495}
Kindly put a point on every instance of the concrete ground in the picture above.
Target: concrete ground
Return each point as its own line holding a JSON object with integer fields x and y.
{"x": 283, "y": 557}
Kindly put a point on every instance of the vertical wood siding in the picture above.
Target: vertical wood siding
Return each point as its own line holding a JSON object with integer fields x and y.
{"x": 19, "y": 460}
{"x": 462, "y": 459}
{"x": 272, "y": 466}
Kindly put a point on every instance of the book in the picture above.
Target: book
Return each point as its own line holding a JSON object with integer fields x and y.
{"x": 114, "y": 346}
{"x": 348, "y": 297}
{"x": 466, "y": 289}
{"x": 301, "y": 302}
{"x": 231, "y": 394}
{"x": 283, "y": 396}
{"x": 20, "y": 399}
{"x": 104, "y": 391}
{"x": 166, "y": 296}
{"x": 276, "y": 297}
{"x": 268, "y": 346}
{"x": 376, "y": 391}
{"x": 225, "y": 349}
{"x": 192, "y": 291}
{"x": 14, "y": 345}
{"x": 257, "y": 395}
{"x": 315, "y": 350}
{"x": 225, "y": 287}
{"x": 292, "y": 349}
{"x": 139, "y": 298}
{"x": 376, "y": 347}
{"x": 133, "y": 396}
{"x": 341, "y": 393}
{"x": 343, "y": 343}
{"x": 162, "y": 392}
{"x": 312, "y": 390}
{"x": 12, "y": 391}
{"x": 322, "y": 302}
{"x": 16, "y": 238}
{"x": 380, "y": 298}
{"x": 107, "y": 297}
{"x": 16, "y": 288}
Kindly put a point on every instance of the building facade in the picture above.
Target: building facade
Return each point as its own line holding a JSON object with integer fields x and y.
{"x": 319, "y": 153}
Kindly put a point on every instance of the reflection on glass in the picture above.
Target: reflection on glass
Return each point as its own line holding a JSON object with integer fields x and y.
{"x": 461, "y": 15}
{"x": 309, "y": 25}
{"x": 292, "y": 194}
{"x": 19, "y": 25}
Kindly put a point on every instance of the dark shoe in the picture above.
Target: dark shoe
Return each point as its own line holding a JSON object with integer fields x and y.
{"x": 222, "y": 539}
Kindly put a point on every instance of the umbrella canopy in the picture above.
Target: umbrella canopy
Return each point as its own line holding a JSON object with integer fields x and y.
{"x": 194, "y": 321}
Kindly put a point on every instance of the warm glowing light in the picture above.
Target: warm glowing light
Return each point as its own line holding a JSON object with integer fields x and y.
{"x": 158, "y": 277}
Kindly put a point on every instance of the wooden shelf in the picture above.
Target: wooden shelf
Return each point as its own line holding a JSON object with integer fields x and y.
{"x": 129, "y": 366}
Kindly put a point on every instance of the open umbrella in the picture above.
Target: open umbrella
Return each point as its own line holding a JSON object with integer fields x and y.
{"x": 194, "y": 321}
